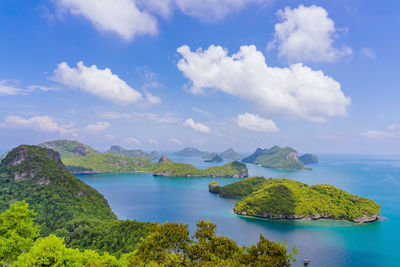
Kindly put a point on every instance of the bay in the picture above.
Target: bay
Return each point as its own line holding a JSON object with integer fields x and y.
{"x": 142, "y": 197}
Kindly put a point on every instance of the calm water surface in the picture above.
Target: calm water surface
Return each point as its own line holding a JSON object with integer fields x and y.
{"x": 141, "y": 196}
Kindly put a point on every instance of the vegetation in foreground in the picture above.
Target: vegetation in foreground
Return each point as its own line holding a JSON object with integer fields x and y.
{"x": 169, "y": 244}
{"x": 288, "y": 199}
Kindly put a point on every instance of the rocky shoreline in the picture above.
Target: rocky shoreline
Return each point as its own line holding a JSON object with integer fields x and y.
{"x": 363, "y": 219}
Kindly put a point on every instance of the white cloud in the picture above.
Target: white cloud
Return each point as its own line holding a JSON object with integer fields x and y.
{"x": 174, "y": 140}
{"x": 132, "y": 140}
{"x": 152, "y": 141}
{"x": 214, "y": 10}
{"x": 198, "y": 127}
{"x": 97, "y": 127}
{"x": 368, "y": 53}
{"x": 102, "y": 83}
{"x": 294, "y": 92}
{"x": 114, "y": 115}
{"x": 394, "y": 127}
{"x": 163, "y": 118}
{"x": 131, "y": 18}
{"x": 39, "y": 124}
{"x": 152, "y": 99}
{"x": 307, "y": 34}
{"x": 203, "y": 112}
{"x": 11, "y": 88}
{"x": 118, "y": 16}
{"x": 255, "y": 123}
{"x": 377, "y": 135}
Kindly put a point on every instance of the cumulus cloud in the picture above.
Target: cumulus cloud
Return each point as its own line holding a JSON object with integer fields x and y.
{"x": 293, "y": 92}
{"x": 152, "y": 141}
{"x": 97, "y": 127}
{"x": 198, "y": 127}
{"x": 99, "y": 82}
{"x": 152, "y": 99}
{"x": 377, "y": 135}
{"x": 118, "y": 16}
{"x": 307, "y": 34}
{"x": 39, "y": 124}
{"x": 255, "y": 123}
{"x": 174, "y": 140}
{"x": 131, "y": 18}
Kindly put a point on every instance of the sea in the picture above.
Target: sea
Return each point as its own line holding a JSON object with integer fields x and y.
{"x": 143, "y": 197}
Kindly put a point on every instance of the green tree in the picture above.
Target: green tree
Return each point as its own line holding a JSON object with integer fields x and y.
{"x": 51, "y": 251}
{"x": 17, "y": 231}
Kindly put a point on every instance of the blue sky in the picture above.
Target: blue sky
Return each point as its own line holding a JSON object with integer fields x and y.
{"x": 321, "y": 76}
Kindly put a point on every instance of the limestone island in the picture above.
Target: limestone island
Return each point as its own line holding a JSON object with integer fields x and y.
{"x": 288, "y": 199}
{"x": 80, "y": 158}
{"x": 216, "y": 158}
{"x": 280, "y": 158}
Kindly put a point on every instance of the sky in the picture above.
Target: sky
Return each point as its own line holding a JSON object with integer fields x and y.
{"x": 320, "y": 76}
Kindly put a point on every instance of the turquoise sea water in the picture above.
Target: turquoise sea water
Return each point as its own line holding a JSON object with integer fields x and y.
{"x": 143, "y": 197}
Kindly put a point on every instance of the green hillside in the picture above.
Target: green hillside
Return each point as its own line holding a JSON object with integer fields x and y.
{"x": 38, "y": 176}
{"x": 69, "y": 149}
{"x": 134, "y": 153}
{"x": 288, "y": 199}
{"x": 276, "y": 157}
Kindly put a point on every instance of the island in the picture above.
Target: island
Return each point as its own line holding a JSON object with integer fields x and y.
{"x": 277, "y": 157}
{"x": 308, "y": 159}
{"x": 134, "y": 153}
{"x": 80, "y": 158}
{"x": 216, "y": 158}
{"x": 213, "y": 187}
{"x": 288, "y": 199}
{"x": 194, "y": 152}
{"x": 231, "y": 154}
{"x": 191, "y": 152}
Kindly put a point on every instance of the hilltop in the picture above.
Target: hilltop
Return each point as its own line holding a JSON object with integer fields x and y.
{"x": 191, "y": 152}
{"x": 69, "y": 149}
{"x": 37, "y": 175}
{"x": 134, "y": 153}
{"x": 288, "y": 199}
{"x": 277, "y": 157}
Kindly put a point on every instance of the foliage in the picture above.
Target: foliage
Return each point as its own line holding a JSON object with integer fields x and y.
{"x": 232, "y": 169}
{"x": 213, "y": 187}
{"x": 37, "y": 175}
{"x": 68, "y": 149}
{"x": 284, "y": 198}
{"x": 51, "y": 251}
{"x": 275, "y": 157}
{"x": 115, "y": 237}
{"x": 171, "y": 245}
{"x": 107, "y": 162}
{"x": 134, "y": 153}
{"x": 17, "y": 231}
{"x": 242, "y": 188}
